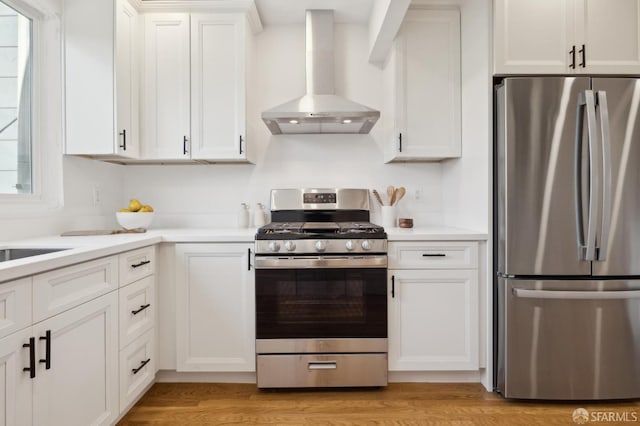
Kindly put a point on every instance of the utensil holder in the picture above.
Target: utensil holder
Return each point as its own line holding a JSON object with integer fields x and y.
{"x": 388, "y": 216}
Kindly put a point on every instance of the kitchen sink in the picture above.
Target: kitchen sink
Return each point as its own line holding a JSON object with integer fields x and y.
{"x": 19, "y": 253}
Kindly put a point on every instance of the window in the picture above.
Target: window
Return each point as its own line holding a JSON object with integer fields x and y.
{"x": 16, "y": 160}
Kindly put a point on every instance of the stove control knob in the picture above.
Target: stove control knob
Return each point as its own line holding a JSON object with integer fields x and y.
{"x": 274, "y": 246}
{"x": 349, "y": 245}
{"x": 321, "y": 245}
{"x": 366, "y": 245}
{"x": 290, "y": 245}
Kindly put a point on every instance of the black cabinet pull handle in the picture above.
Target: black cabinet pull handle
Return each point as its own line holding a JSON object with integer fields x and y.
{"x": 583, "y": 53}
{"x": 400, "y": 142}
{"x": 47, "y": 354}
{"x": 142, "y": 308}
{"x": 142, "y": 364}
{"x": 433, "y": 255}
{"x": 248, "y": 259}
{"x": 123, "y": 133}
{"x": 144, "y": 262}
{"x": 572, "y": 52}
{"x": 32, "y": 357}
{"x": 184, "y": 145}
{"x": 393, "y": 286}
{"x": 240, "y": 144}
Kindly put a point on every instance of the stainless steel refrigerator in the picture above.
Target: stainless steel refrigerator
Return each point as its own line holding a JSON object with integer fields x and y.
{"x": 567, "y": 238}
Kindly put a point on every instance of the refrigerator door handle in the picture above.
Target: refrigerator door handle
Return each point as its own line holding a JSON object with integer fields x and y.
{"x": 577, "y": 178}
{"x": 606, "y": 175}
{"x": 594, "y": 173}
{"x": 575, "y": 295}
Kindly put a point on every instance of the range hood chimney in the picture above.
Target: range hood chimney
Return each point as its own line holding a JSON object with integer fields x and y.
{"x": 320, "y": 110}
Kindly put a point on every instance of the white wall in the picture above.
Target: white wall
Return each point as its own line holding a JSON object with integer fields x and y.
{"x": 210, "y": 195}
{"x": 466, "y": 181}
{"x": 454, "y": 192}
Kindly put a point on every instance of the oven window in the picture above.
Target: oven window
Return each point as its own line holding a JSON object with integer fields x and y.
{"x": 321, "y": 303}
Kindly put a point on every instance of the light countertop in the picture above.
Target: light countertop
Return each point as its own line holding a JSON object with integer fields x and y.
{"x": 84, "y": 248}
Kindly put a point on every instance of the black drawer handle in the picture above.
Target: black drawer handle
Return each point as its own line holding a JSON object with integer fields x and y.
{"x": 142, "y": 308}
{"x": 32, "y": 357}
{"x": 142, "y": 364}
{"x": 144, "y": 262}
{"x": 47, "y": 356}
{"x": 433, "y": 255}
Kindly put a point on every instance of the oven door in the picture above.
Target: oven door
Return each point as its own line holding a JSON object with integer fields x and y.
{"x": 307, "y": 297}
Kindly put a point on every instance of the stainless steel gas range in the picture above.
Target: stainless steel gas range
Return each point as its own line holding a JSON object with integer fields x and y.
{"x": 321, "y": 291}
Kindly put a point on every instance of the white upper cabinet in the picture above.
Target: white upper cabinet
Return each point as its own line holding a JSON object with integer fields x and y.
{"x": 567, "y": 36}
{"x": 218, "y": 86}
{"x": 166, "y": 110}
{"x": 101, "y": 110}
{"x": 426, "y": 100}
{"x": 195, "y": 87}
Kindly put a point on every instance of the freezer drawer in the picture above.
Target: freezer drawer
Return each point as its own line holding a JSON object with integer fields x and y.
{"x": 570, "y": 339}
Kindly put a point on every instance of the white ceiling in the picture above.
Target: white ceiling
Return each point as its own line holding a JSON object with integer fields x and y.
{"x": 279, "y": 12}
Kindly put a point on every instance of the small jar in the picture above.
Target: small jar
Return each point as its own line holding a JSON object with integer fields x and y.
{"x": 259, "y": 216}
{"x": 243, "y": 216}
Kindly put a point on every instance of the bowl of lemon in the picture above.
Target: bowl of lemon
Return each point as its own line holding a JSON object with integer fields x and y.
{"x": 136, "y": 216}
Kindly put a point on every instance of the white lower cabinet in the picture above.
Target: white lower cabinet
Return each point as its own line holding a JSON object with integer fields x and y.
{"x": 16, "y": 386}
{"x": 76, "y": 379}
{"x": 433, "y": 307}
{"x": 137, "y": 368}
{"x": 215, "y": 319}
{"x": 74, "y": 350}
{"x": 137, "y": 319}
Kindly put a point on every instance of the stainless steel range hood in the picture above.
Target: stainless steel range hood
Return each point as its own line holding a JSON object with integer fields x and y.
{"x": 320, "y": 110}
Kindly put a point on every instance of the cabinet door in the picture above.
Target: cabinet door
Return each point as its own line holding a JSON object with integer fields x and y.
{"x": 427, "y": 87}
{"x": 215, "y": 310}
{"x": 433, "y": 320}
{"x": 611, "y": 36}
{"x": 126, "y": 128}
{"x": 218, "y": 86}
{"x": 81, "y": 385}
{"x": 533, "y": 37}
{"x": 166, "y": 108}
{"x": 88, "y": 68}
{"x": 15, "y": 384}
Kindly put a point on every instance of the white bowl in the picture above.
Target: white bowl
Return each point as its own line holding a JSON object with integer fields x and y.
{"x": 134, "y": 220}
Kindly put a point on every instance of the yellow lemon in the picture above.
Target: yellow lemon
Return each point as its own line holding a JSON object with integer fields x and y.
{"x": 123, "y": 210}
{"x": 146, "y": 209}
{"x": 134, "y": 205}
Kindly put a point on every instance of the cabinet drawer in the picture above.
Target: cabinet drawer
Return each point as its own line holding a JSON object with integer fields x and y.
{"x": 137, "y": 368}
{"x": 15, "y": 306}
{"x": 433, "y": 255}
{"x": 137, "y": 309}
{"x": 61, "y": 289}
{"x": 136, "y": 264}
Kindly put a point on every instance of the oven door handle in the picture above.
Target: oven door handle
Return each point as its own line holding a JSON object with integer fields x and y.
{"x": 316, "y": 262}
{"x": 322, "y": 365}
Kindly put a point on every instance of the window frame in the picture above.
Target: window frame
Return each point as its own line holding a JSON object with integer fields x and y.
{"x": 46, "y": 156}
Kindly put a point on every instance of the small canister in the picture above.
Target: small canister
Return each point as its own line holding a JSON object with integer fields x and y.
{"x": 259, "y": 217}
{"x": 243, "y": 216}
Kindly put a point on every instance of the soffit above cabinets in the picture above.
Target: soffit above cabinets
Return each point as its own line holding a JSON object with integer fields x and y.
{"x": 286, "y": 12}
{"x": 382, "y": 17}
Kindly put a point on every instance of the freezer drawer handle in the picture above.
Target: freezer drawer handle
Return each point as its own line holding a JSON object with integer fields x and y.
{"x": 576, "y": 295}
{"x": 434, "y": 255}
{"x": 323, "y": 365}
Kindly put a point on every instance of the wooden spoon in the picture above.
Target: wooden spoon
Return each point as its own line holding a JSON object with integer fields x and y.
{"x": 392, "y": 201}
{"x": 390, "y": 191}
{"x": 400, "y": 192}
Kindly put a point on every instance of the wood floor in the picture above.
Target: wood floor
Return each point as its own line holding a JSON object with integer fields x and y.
{"x": 398, "y": 404}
